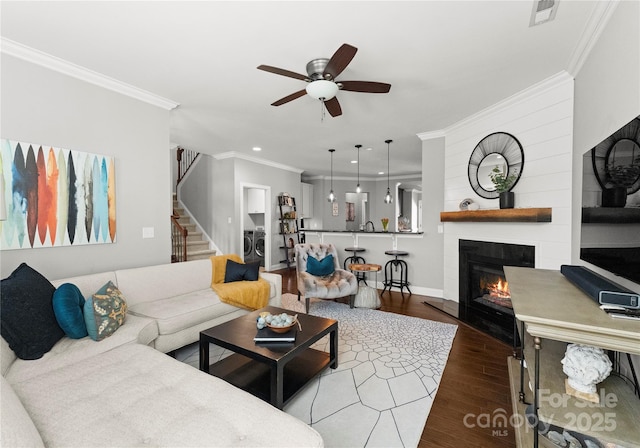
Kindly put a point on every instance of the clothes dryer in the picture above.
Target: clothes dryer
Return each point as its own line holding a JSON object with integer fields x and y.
{"x": 259, "y": 245}
{"x": 249, "y": 246}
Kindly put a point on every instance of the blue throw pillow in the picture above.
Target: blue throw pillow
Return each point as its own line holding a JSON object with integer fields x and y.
{"x": 236, "y": 272}
{"x": 104, "y": 312}
{"x": 68, "y": 303}
{"x": 320, "y": 268}
{"x": 28, "y": 323}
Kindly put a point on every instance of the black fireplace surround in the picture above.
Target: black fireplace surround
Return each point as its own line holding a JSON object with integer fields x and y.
{"x": 480, "y": 262}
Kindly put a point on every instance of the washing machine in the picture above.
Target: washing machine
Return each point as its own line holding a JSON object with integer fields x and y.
{"x": 249, "y": 247}
{"x": 259, "y": 245}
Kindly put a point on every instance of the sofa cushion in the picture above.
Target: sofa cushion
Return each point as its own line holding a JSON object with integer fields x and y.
{"x": 322, "y": 267}
{"x": 28, "y": 322}
{"x": 67, "y": 351}
{"x": 17, "y": 427}
{"x": 68, "y": 306}
{"x": 144, "y": 397}
{"x": 236, "y": 272}
{"x": 184, "y": 311}
{"x": 105, "y": 312}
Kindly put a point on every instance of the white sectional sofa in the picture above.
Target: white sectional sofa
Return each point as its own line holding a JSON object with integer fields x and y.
{"x": 124, "y": 391}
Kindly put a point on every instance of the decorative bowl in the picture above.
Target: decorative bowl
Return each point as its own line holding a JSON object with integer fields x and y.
{"x": 283, "y": 329}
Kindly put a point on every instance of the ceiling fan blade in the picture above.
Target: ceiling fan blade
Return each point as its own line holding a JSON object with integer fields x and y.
{"x": 339, "y": 60}
{"x": 333, "y": 106}
{"x": 291, "y": 97}
{"x": 365, "y": 86}
{"x": 283, "y": 72}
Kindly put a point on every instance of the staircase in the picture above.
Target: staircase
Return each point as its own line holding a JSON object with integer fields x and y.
{"x": 197, "y": 247}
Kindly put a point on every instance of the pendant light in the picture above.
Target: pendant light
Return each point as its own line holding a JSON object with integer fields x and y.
{"x": 358, "y": 189}
{"x": 332, "y": 197}
{"x": 388, "y": 199}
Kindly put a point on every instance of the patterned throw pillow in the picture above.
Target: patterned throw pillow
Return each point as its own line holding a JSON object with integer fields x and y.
{"x": 105, "y": 312}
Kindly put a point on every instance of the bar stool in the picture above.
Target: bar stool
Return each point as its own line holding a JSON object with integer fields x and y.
{"x": 392, "y": 265}
{"x": 356, "y": 259}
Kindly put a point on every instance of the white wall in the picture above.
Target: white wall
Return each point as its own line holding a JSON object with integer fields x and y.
{"x": 541, "y": 118}
{"x": 45, "y": 107}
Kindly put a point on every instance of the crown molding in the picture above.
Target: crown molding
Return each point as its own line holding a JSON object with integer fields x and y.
{"x": 530, "y": 92}
{"x": 600, "y": 16}
{"x": 430, "y": 135}
{"x": 237, "y": 155}
{"x": 37, "y": 57}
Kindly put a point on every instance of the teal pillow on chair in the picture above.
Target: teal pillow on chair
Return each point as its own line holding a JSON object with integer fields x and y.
{"x": 320, "y": 268}
{"x": 104, "y": 312}
{"x": 68, "y": 303}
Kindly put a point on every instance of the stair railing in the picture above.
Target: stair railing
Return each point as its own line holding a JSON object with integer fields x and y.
{"x": 186, "y": 158}
{"x": 178, "y": 240}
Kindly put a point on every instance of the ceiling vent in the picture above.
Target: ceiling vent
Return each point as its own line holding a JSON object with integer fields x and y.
{"x": 543, "y": 11}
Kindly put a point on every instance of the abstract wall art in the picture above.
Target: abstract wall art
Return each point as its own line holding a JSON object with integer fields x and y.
{"x": 55, "y": 197}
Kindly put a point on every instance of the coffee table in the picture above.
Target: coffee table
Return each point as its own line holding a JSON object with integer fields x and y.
{"x": 274, "y": 372}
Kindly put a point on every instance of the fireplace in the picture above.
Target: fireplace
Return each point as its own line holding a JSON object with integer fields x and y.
{"x": 485, "y": 300}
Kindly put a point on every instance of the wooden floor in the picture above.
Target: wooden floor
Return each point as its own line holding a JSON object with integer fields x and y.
{"x": 475, "y": 382}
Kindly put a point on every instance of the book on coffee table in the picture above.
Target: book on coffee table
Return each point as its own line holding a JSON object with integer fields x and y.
{"x": 268, "y": 335}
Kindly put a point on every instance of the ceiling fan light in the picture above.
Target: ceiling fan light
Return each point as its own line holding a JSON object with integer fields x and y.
{"x": 322, "y": 89}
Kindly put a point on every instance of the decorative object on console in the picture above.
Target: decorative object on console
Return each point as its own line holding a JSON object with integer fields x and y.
{"x": 388, "y": 199}
{"x": 56, "y": 197}
{"x": 498, "y": 150}
{"x": 585, "y": 367}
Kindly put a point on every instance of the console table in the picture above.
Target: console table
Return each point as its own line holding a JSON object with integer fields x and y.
{"x": 553, "y": 312}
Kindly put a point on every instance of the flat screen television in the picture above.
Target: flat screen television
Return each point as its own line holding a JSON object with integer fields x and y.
{"x": 610, "y": 235}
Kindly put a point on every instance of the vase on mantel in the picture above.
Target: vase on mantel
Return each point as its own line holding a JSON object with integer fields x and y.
{"x": 614, "y": 197}
{"x": 507, "y": 199}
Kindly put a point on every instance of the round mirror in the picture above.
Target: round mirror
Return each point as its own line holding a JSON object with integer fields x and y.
{"x": 500, "y": 150}
{"x": 616, "y": 160}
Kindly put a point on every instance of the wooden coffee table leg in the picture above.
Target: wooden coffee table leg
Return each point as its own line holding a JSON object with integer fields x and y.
{"x": 277, "y": 385}
{"x": 333, "y": 349}
{"x": 204, "y": 354}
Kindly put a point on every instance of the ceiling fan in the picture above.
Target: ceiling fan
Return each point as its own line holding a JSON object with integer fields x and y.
{"x": 321, "y": 76}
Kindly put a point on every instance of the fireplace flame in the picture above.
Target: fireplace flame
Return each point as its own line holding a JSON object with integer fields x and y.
{"x": 500, "y": 289}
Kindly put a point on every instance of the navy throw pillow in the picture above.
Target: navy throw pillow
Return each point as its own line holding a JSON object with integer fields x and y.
{"x": 320, "y": 268}
{"x": 236, "y": 272}
{"x": 27, "y": 321}
{"x": 68, "y": 304}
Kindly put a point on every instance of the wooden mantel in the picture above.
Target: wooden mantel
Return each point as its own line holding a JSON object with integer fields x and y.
{"x": 499, "y": 215}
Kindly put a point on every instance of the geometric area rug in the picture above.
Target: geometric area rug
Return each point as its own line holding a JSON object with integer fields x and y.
{"x": 389, "y": 369}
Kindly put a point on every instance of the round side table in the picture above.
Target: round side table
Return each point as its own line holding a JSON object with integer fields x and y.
{"x": 367, "y": 296}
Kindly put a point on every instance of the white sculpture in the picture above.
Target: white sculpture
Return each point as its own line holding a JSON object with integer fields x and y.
{"x": 585, "y": 366}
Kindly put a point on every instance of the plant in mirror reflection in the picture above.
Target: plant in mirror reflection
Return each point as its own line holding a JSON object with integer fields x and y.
{"x": 502, "y": 181}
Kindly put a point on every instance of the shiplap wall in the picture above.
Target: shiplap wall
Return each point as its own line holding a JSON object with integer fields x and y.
{"x": 541, "y": 118}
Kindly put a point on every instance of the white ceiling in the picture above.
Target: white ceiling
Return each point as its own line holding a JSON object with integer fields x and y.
{"x": 445, "y": 60}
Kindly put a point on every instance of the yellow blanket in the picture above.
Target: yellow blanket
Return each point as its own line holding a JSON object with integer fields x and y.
{"x": 251, "y": 295}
